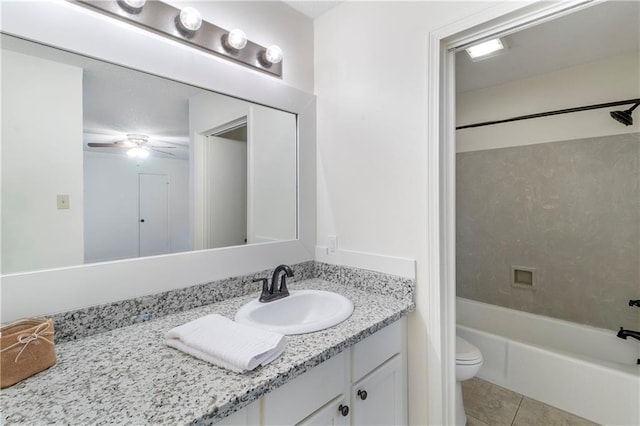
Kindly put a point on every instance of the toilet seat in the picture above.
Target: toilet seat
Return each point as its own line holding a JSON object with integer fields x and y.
{"x": 466, "y": 353}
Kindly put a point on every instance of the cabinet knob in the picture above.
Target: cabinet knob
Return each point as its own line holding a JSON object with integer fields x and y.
{"x": 362, "y": 394}
{"x": 344, "y": 410}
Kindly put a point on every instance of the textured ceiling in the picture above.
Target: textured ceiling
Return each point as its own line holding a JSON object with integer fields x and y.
{"x": 118, "y": 101}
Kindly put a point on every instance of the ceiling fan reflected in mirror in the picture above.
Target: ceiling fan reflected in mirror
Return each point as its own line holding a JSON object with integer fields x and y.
{"x": 138, "y": 145}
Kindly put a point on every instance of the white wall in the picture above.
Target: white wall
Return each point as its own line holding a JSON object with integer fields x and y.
{"x": 111, "y": 204}
{"x": 605, "y": 81}
{"x": 38, "y": 163}
{"x": 227, "y": 172}
{"x": 271, "y": 138}
{"x": 371, "y": 82}
{"x": 207, "y": 112}
{"x": 272, "y": 174}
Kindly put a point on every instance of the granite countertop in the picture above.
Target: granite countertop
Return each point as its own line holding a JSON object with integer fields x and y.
{"x": 129, "y": 376}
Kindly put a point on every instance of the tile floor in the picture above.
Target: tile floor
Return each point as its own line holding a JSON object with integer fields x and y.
{"x": 487, "y": 404}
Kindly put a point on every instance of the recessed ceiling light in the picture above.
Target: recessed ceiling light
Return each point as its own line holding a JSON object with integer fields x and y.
{"x": 486, "y": 49}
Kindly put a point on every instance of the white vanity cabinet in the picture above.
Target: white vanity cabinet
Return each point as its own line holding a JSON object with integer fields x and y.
{"x": 378, "y": 399}
{"x": 332, "y": 392}
{"x": 335, "y": 413}
{"x": 379, "y": 378}
{"x": 304, "y": 395}
{"x": 246, "y": 416}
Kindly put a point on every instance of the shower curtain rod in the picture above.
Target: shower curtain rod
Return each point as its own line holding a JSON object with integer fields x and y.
{"x": 548, "y": 113}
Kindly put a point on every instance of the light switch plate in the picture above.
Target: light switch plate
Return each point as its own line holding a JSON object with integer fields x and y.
{"x": 332, "y": 244}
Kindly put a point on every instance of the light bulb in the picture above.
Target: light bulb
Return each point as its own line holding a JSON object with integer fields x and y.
{"x": 137, "y": 152}
{"x": 236, "y": 39}
{"x": 273, "y": 54}
{"x": 190, "y": 19}
{"x": 133, "y": 6}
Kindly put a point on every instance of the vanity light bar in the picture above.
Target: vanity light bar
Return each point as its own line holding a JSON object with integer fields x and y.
{"x": 165, "y": 19}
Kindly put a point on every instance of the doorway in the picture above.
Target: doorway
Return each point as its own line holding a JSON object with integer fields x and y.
{"x": 546, "y": 189}
{"x": 153, "y": 214}
{"x": 228, "y": 186}
{"x": 441, "y": 156}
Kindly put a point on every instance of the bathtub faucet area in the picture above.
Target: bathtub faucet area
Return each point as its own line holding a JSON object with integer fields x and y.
{"x": 623, "y": 334}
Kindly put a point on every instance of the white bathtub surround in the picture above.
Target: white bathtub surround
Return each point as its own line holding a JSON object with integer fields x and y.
{"x": 580, "y": 369}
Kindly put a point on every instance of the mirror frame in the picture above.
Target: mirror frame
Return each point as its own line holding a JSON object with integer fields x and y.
{"x": 71, "y": 27}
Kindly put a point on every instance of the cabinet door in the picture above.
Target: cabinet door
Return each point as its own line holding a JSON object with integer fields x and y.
{"x": 335, "y": 413}
{"x": 302, "y": 396}
{"x": 379, "y": 398}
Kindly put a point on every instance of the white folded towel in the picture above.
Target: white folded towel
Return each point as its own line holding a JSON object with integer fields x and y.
{"x": 226, "y": 343}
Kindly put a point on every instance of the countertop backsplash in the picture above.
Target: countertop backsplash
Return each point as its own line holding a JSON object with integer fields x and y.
{"x": 369, "y": 281}
{"x": 73, "y": 325}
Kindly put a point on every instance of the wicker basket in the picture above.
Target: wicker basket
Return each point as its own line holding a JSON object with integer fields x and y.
{"x": 26, "y": 348}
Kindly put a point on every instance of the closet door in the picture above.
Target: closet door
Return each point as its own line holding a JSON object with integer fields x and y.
{"x": 153, "y": 214}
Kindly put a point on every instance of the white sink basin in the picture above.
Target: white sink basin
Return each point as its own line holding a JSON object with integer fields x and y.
{"x": 303, "y": 311}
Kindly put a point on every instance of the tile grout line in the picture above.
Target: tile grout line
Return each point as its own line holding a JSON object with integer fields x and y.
{"x": 517, "y": 409}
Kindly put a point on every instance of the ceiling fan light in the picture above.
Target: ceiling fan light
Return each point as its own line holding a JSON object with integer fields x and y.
{"x": 137, "y": 152}
{"x": 137, "y": 139}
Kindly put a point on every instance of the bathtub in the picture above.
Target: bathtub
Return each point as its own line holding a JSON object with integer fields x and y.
{"x": 584, "y": 370}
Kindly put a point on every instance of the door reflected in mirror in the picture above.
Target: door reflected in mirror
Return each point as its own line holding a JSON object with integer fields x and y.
{"x": 149, "y": 166}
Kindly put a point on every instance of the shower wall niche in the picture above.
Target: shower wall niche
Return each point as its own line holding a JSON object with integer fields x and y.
{"x": 568, "y": 210}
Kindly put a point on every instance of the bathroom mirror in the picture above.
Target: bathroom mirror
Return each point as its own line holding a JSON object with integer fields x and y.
{"x": 72, "y": 28}
{"x": 101, "y": 162}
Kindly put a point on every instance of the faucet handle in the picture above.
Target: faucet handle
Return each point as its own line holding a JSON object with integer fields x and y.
{"x": 265, "y": 288}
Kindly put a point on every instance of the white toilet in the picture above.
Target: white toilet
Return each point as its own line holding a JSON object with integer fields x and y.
{"x": 468, "y": 363}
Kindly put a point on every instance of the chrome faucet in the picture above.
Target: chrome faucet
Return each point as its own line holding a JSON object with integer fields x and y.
{"x": 623, "y": 334}
{"x": 271, "y": 292}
